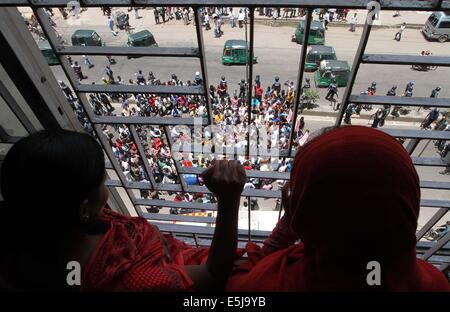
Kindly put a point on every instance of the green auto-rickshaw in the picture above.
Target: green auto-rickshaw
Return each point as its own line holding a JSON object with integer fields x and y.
{"x": 48, "y": 53}
{"x": 143, "y": 38}
{"x": 86, "y": 37}
{"x": 316, "y": 33}
{"x": 318, "y": 53}
{"x": 329, "y": 69}
{"x": 235, "y": 52}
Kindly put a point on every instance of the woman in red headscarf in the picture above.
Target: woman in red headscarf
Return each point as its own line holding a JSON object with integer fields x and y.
{"x": 64, "y": 221}
{"x": 354, "y": 198}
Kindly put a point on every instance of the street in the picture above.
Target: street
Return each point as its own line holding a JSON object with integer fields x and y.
{"x": 277, "y": 55}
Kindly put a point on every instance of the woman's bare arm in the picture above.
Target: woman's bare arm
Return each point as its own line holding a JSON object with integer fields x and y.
{"x": 226, "y": 180}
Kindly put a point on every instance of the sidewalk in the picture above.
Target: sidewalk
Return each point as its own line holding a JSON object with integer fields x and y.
{"x": 413, "y": 19}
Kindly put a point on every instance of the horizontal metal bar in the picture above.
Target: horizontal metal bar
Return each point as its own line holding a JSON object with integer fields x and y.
{"x": 435, "y": 203}
{"x": 429, "y": 161}
{"x": 201, "y": 230}
{"x": 400, "y": 100}
{"x": 175, "y": 204}
{"x": 162, "y": 121}
{"x": 439, "y": 244}
{"x": 151, "y": 89}
{"x": 250, "y": 173}
{"x": 423, "y": 246}
{"x": 178, "y": 218}
{"x": 239, "y": 151}
{"x": 248, "y": 192}
{"x": 170, "y": 187}
{"x": 405, "y": 59}
{"x": 113, "y": 183}
{"x": 354, "y": 4}
{"x": 129, "y": 51}
{"x": 435, "y": 185}
{"x": 418, "y": 134}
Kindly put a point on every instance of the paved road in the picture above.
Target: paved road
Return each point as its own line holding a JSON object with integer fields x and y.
{"x": 277, "y": 55}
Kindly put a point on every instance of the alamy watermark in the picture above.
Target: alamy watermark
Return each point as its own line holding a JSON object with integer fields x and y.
{"x": 227, "y": 140}
{"x": 73, "y": 277}
{"x": 374, "y": 276}
{"x": 373, "y": 15}
{"x": 74, "y": 9}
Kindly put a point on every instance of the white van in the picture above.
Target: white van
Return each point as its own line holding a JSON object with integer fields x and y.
{"x": 437, "y": 26}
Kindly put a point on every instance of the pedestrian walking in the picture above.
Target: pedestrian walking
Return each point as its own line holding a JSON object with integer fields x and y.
{"x": 156, "y": 13}
{"x": 186, "y": 16}
{"x": 207, "y": 24}
{"x": 111, "y": 25}
{"x": 232, "y": 19}
{"x": 163, "y": 14}
{"x": 77, "y": 69}
{"x": 136, "y": 13}
{"x": 398, "y": 35}
{"x": 241, "y": 18}
{"x": 326, "y": 20}
{"x": 353, "y": 23}
{"x": 87, "y": 62}
{"x": 109, "y": 73}
{"x": 67, "y": 92}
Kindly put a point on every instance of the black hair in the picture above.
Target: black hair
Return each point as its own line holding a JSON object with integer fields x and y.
{"x": 44, "y": 179}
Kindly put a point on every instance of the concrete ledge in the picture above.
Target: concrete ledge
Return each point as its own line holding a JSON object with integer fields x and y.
{"x": 294, "y": 23}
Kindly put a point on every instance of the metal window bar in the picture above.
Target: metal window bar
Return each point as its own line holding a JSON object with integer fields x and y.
{"x": 360, "y": 58}
{"x": 355, "y": 67}
{"x": 16, "y": 109}
{"x": 301, "y": 71}
{"x": 46, "y": 27}
{"x": 142, "y": 156}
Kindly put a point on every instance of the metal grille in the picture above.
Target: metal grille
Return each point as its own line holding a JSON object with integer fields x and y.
{"x": 437, "y": 252}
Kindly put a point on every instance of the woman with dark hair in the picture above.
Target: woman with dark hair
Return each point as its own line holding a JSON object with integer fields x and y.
{"x": 62, "y": 218}
{"x": 345, "y": 218}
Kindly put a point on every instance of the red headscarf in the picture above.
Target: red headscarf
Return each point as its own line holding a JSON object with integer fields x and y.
{"x": 355, "y": 199}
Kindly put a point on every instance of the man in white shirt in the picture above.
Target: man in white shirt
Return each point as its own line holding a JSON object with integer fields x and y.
{"x": 353, "y": 23}
{"x": 398, "y": 35}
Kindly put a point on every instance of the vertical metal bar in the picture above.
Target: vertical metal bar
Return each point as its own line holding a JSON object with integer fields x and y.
{"x": 16, "y": 109}
{"x": 196, "y": 240}
{"x": 50, "y": 34}
{"x": 46, "y": 27}
{"x": 250, "y": 76}
{"x": 433, "y": 220}
{"x": 355, "y": 67}
{"x": 301, "y": 70}
{"x": 281, "y": 207}
{"x": 177, "y": 164}
{"x": 25, "y": 85}
{"x": 141, "y": 152}
{"x": 249, "y": 219}
{"x": 412, "y": 144}
{"x": 201, "y": 48}
{"x": 117, "y": 167}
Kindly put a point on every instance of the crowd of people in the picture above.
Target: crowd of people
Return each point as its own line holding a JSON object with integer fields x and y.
{"x": 271, "y": 118}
